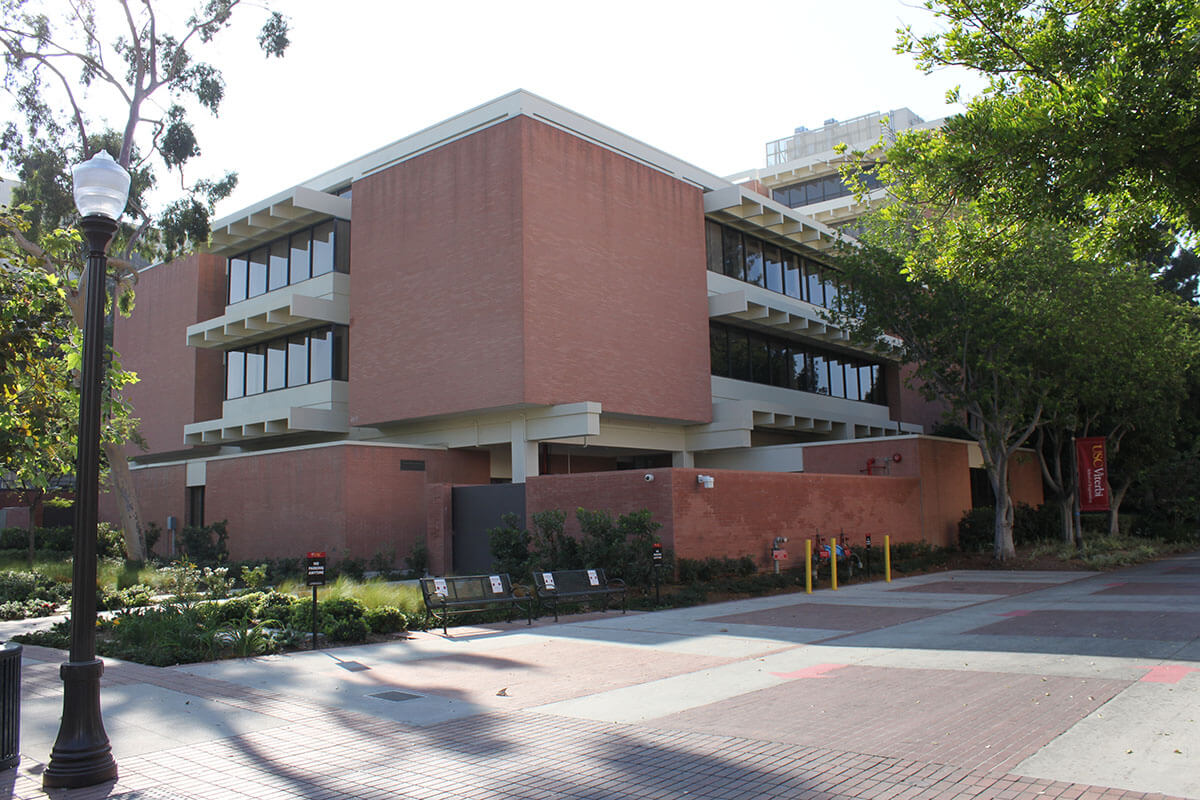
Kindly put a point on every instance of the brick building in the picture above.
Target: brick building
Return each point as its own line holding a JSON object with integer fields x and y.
{"x": 518, "y": 295}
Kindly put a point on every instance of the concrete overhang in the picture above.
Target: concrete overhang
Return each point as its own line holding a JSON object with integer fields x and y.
{"x": 324, "y": 299}
{"x": 297, "y": 208}
{"x": 767, "y": 219}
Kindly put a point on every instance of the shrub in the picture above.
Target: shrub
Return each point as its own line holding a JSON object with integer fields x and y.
{"x": 254, "y": 578}
{"x": 23, "y": 586}
{"x": 354, "y": 568}
{"x": 711, "y": 569}
{"x": 110, "y": 542}
{"x": 385, "y": 619}
{"x": 217, "y": 581}
{"x": 384, "y": 560}
{"x": 276, "y": 606}
{"x": 417, "y": 560}
{"x": 550, "y": 544}
{"x": 637, "y": 530}
{"x": 509, "y": 544}
{"x": 206, "y": 545}
{"x": 152, "y": 534}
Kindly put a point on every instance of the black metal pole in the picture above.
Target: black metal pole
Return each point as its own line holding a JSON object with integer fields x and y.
{"x": 82, "y": 755}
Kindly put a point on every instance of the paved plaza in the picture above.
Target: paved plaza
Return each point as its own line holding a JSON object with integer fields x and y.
{"x": 948, "y": 686}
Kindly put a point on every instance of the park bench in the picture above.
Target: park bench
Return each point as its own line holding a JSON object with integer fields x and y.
{"x": 576, "y": 584}
{"x": 463, "y": 594}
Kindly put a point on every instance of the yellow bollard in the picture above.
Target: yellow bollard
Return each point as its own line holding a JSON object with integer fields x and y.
{"x": 887, "y": 558}
{"x": 808, "y": 566}
{"x": 833, "y": 562}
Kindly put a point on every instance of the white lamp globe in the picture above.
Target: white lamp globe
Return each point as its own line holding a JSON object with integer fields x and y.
{"x": 101, "y": 187}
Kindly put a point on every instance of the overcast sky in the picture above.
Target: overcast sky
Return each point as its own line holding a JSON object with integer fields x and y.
{"x": 708, "y": 82}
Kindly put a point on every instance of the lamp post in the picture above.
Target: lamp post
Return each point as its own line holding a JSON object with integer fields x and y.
{"x": 82, "y": 755}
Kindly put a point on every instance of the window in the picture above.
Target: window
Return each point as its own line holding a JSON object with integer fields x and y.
{"x": 195, "y": 507}
{"x": 793, "y": 276}
{"x": 754, "y": 261}
{"x": 774, "y": 267}
{"x": 317, "y": 355}
{"x": 816, "y": 290}
{"x": 712, "y": 237}
{"x": 750, "y": 356}
{"x": 748, "y": 258}
{"x": 734, "y": 257}
{"x": 290, "y": 259}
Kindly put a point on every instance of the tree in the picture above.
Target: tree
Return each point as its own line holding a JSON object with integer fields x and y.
{"x": 60, "y": 75}
{"x": 1089, "y": 116}
{"x": 1000, "y": 315}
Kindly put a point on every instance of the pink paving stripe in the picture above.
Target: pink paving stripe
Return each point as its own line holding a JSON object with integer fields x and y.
{"x": 1118, "y": 583}
{"x": 1021, "y": 613}
{"x": 817, "y": 671}
{"x": 1167, "y": 673}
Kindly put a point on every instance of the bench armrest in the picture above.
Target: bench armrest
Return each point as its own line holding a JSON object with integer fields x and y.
{"x": 616, "y": 583}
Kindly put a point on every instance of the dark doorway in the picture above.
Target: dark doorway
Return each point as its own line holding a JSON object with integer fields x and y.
{"x": 474, "y": 510}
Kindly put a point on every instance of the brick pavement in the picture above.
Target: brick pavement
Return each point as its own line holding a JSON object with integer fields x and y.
{"x": 845, "y": 720}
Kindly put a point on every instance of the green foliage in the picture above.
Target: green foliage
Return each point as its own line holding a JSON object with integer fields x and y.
{"x": 417, "y": 560}
{"x": 354, "y": 568}
{"x": 384, "y": 560}
{"x": 206, "y": 545}
{"x": 552, "y": 548}
{"x": 603, "y": 543}
{"x": 339, "y": 618}
{"x": 385, "y": 619}
{"x": 254, "y": 578}
{"x": 152, "y": 534}
{"x": 918, "y": 556}
{"x": 509, "y": 543}
{"x": 976, "y": 529}
{"x": 23, "y": 586}
{"x": 710, "y": 569}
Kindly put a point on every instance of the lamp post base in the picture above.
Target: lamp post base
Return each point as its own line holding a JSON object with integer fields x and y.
{"x": 82, "y": 755}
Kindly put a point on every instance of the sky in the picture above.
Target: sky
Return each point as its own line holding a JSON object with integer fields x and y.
{"x": 707, "y": 82}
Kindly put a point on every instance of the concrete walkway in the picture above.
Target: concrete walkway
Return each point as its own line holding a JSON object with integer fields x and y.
{"x": 1006, "y": 685}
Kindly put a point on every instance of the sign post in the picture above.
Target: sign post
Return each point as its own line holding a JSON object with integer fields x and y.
{"x": 656, "y": 560}
{"x": 868, "y": 557}
{"x": 314, "y": 574}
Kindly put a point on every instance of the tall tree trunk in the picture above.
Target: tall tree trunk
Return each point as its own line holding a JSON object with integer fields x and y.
{"x": 128, "y": 507}
{"x": 1114, "y": 511}
{"x": 1003, "y": 549}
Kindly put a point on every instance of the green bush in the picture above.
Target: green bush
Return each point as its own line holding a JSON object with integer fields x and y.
{"x": 24, "y": 586}
{"x": 276, "y": 606}
{"x": 552, "y": 548}
{"x": 207, "y": 545}
{"x": 509, "y": 543}
{"x": 916, "y": 556}
{"x": 417, "y": 560}
{"x": 339, "y": 618}
{"x": 385, "y": 619}
{"x": 354, "y": 568}
{"x": 710, "y": 569}
{"x": 977, "y": 528}
{"x": 110, "y": 542}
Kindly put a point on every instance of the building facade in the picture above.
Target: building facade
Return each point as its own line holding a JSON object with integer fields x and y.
{"x": 514, "y": 293}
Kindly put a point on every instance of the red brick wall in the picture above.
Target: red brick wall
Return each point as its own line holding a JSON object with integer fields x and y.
{"x": 521, "y": 264}
{"x": 437, "y": 286}
{"x": 616, "y": 306}
{"x": 162, "y": 492}
{"x": 439, "y": 532}
{"x": 744, "y": 511}
{"x": 178, "y": 384}
{"x": 1025, "y": 479}
{"x": 907, "y": 404}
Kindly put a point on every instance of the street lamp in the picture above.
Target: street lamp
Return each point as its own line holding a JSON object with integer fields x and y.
{"x": 82, "y": 755}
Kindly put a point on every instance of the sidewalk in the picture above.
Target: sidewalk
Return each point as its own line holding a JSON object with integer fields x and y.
{"x": 1006, "y": 685}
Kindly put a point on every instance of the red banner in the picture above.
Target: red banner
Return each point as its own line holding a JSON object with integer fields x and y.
{"x": 1093, "y": 473}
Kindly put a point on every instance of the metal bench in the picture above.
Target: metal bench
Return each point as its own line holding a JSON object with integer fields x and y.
{"x": 463, "y": 594}
{"x": 576, "y": 584}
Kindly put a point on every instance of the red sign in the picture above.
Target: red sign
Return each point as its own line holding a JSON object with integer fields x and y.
{"x": 779, "y": 555}
{"x": 1093, "y": 473}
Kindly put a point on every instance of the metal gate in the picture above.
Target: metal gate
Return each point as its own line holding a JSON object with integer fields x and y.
{"x": 474, "y": 510}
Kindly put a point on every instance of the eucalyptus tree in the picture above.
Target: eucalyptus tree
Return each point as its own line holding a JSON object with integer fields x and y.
{"x": 127, "y": 78}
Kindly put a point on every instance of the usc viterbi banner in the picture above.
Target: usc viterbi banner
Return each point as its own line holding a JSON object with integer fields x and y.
{"x": 1093, "y": 473}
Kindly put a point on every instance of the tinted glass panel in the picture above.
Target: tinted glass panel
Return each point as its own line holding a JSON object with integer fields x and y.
{"x": 235, "y": 374}
{"x": 831, "y": 291}
{"x": 718, "y": 345}
{"x": 792, "y": 276}
{"x": 297, "y": 362}
{"x": 754, "y": 261}
{"x": 341, "y": 353}
{"x": 276, "y": 364}
{"x": 255, "y": 372}
{"x": 237, "y": 279}
{"x": 320, "y": 355}
{"x": 802, "y": 368}
{"x": 256, "y": 283}
{"x": 837, "y": 384}
{"x": 781, "y": 362}
{"x": 734, "y": 257}
{"x": 712, "y": 241}
{"x": 278, "y": 272}
{"x": 341, "y": 240}
{"x": 851, "y": 382}
{"x": 820, "y": 371}
{"x": 301, "y": 269}
{"x": 322, "y": 249}
{"x": 774, "y": 266}
{"x": 760, "y": 360}
{"x": 816, "y": 292}
{"x": 739, "y": 355}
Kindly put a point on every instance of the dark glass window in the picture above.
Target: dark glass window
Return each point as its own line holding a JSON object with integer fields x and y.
{"x": 760, "y": 360}
{"x": 297, "y": 355}
{"x": 816, "y": 293}
{"x": 301, "y": 266}
{"x": 802, "y": 367}
{"x": 820, "y": 369}
{"x": 255, "y": 369}
{"x": 256, "y": 284}
{"x": 734, "y": 258}
{"x": 793, "y": 277}
{"x": 712, "y": 241}
{"x": 852, "y": 387}
{"x": 235, "y": 374}
{"x": 831, "y": 290}
{"x": 237, "y": 279}
{"x": 320, "y": 355}
{"x": 774, "y": 267}
{"x": 276, "y": 364}
{"x": 739, "y": 354}
{"x": 718, "y": 342}
{"x": 754, "y": 261}
{"x": 341, "y": 353}
{"x": 837, "y": 382}
{"x": 322, "y": 249}
{"x": 195, "y": 507}
{"x": 277, "y": 276}
{"x": 341, "y": 242}
{"x": 781, "y": 364}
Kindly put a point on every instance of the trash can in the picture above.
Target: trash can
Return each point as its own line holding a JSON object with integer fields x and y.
{"x": 10, "y": 705}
